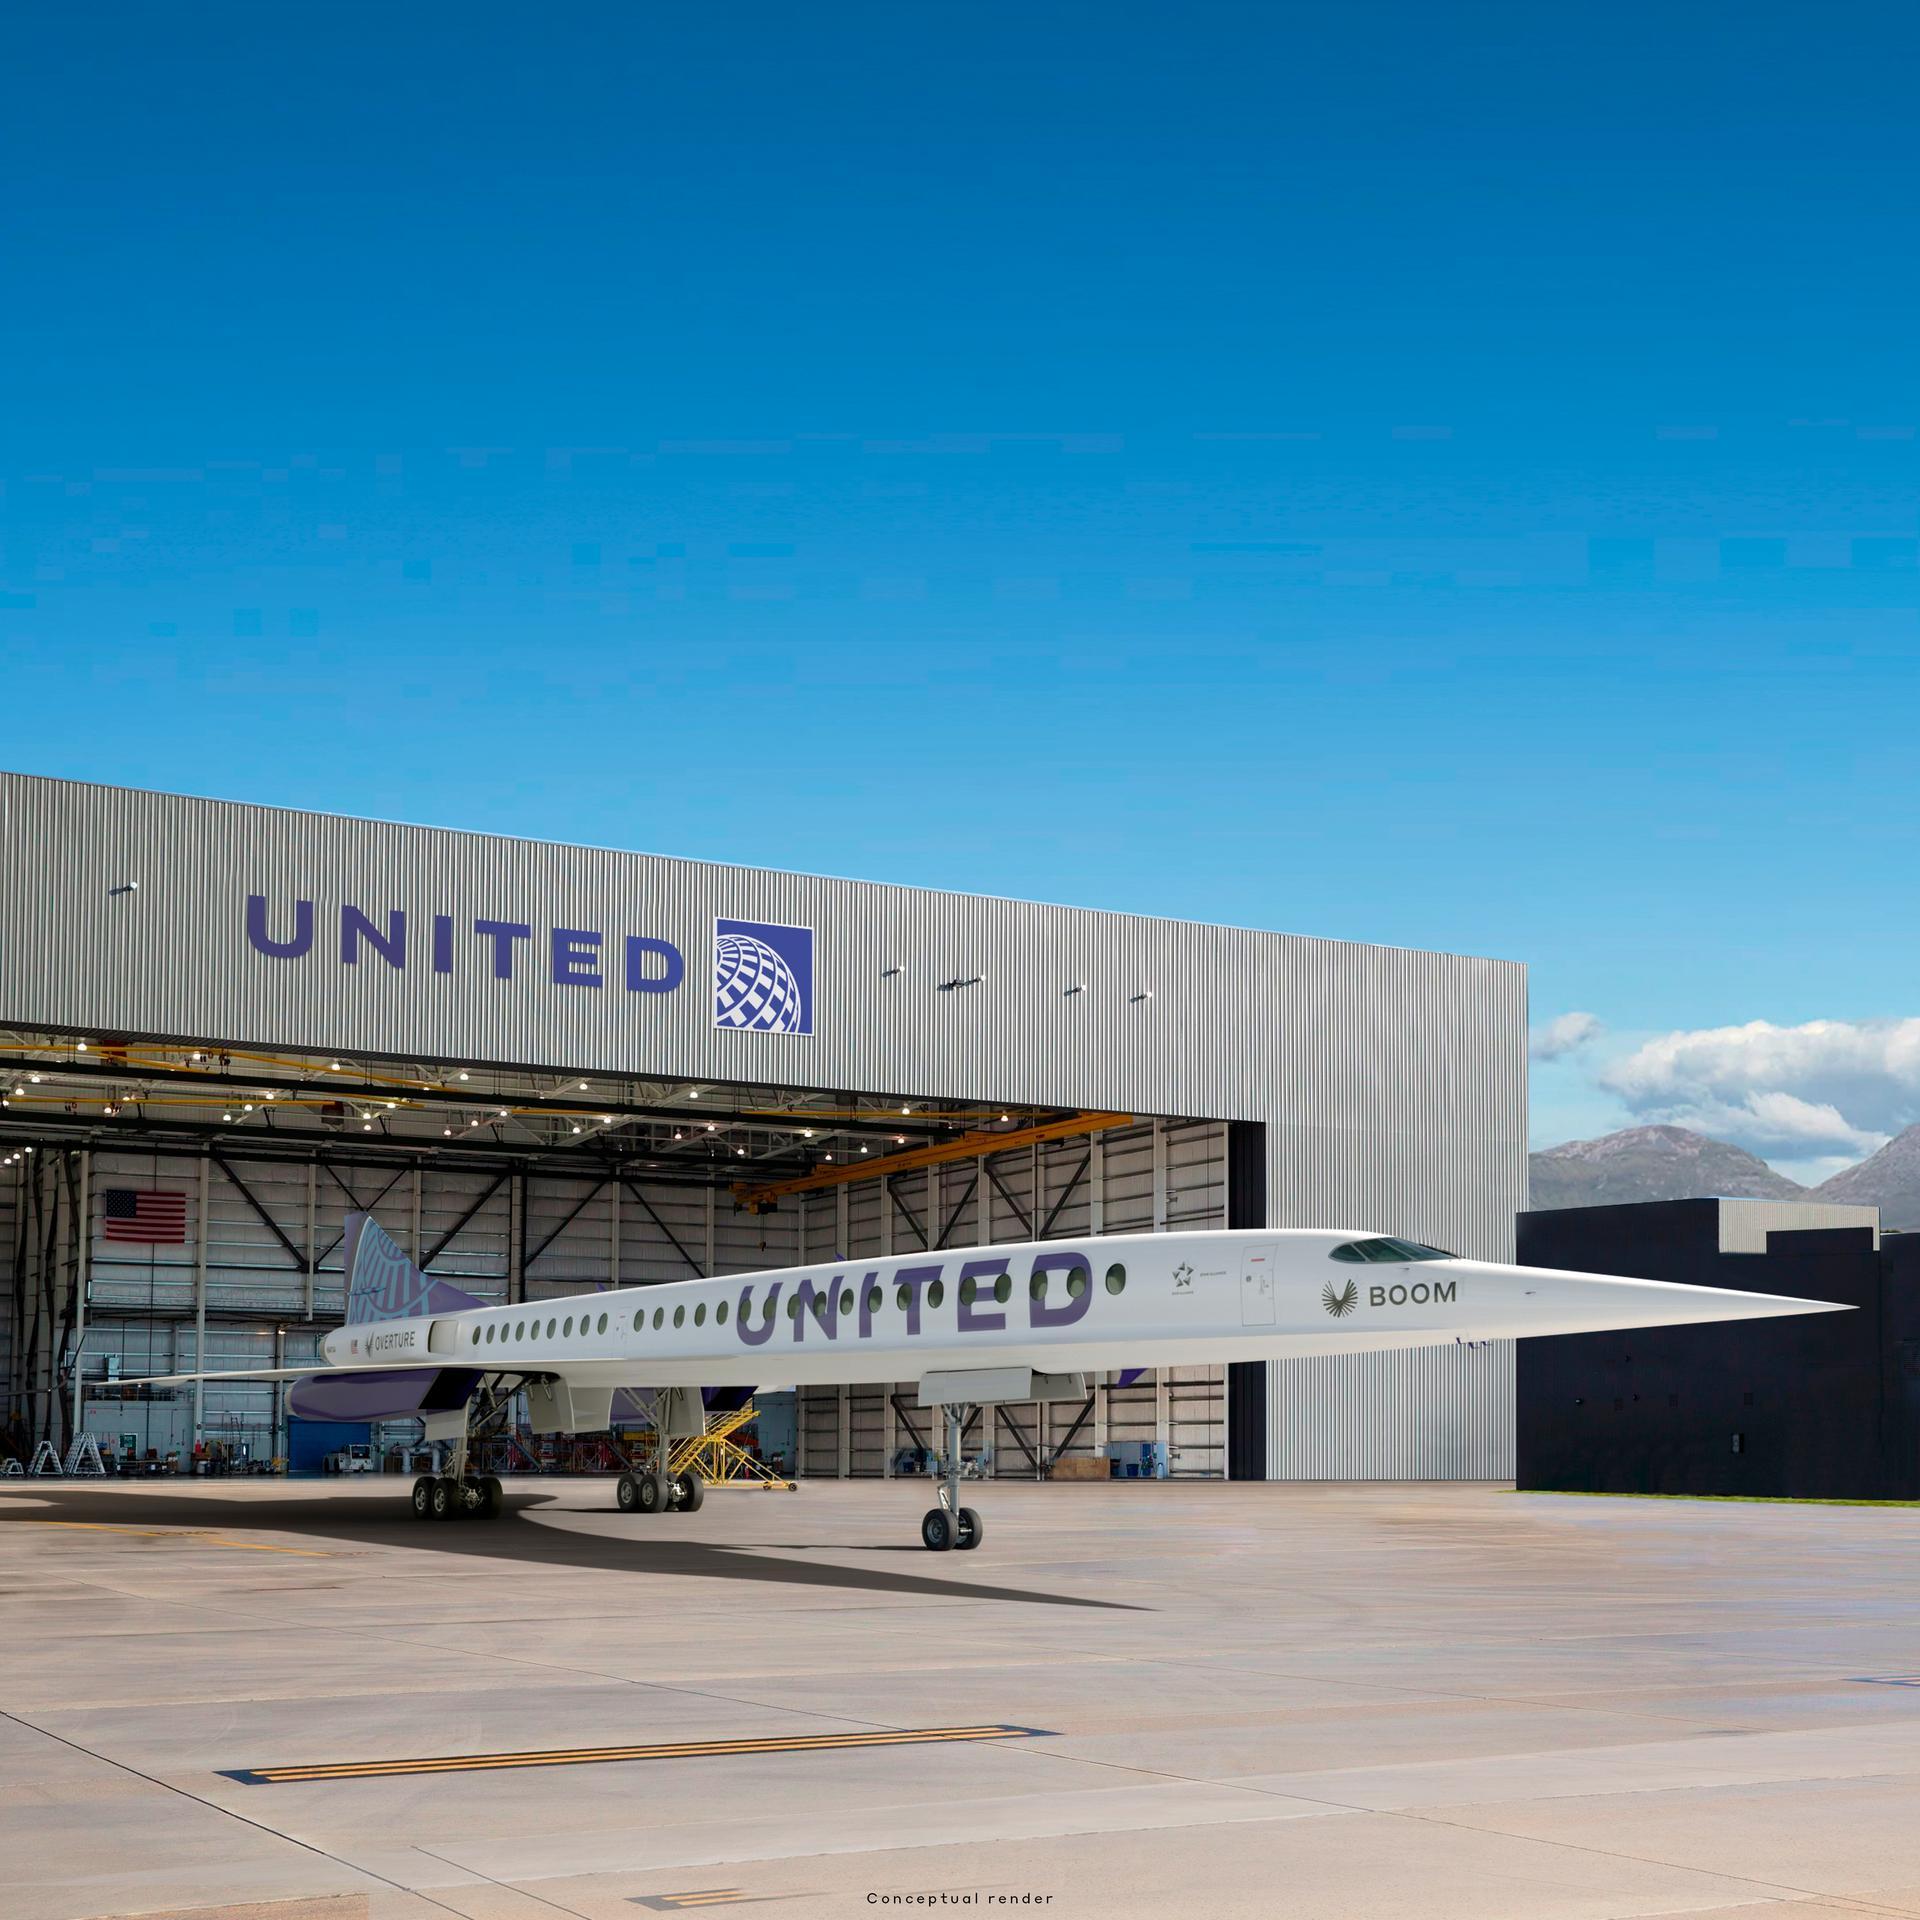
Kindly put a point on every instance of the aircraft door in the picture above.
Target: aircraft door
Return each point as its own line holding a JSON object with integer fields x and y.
{"x": 1256, "y": 1290}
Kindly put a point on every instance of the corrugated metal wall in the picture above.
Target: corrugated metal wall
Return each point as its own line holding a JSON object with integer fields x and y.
{"x": 1434, "y": 1413}
{"x": 1745, "y": 1224}
{"x": 1392, "y": 1081}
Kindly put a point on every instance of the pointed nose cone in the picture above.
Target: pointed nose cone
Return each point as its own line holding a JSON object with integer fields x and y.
{"x": 1556, "y": 1300}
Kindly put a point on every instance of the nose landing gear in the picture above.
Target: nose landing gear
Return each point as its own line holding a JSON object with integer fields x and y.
{"x": 950, "y": 1524}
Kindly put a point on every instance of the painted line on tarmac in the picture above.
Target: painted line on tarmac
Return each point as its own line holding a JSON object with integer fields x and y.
{"x": 599, "y": 1756}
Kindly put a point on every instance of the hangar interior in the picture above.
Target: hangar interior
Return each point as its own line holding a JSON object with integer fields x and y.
{"x": 524, "y": 1185}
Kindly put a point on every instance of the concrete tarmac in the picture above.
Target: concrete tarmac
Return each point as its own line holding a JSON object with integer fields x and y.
{"x": 1429, "y": 1703}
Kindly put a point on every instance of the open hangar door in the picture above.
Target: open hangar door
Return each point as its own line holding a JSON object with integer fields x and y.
{"x": 521, "y": 1186}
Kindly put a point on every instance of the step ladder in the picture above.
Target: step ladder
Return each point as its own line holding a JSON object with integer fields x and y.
{"x": 720, "y": 1460}
{"x": 45, "y": 1460}
{"x": 83, "y": 1457}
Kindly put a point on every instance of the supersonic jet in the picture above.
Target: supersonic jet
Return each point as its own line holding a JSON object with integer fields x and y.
{"x": 976, "y": 1326}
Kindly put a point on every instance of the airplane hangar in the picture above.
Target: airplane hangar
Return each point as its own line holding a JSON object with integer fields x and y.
{"x": 551, "y": 1069}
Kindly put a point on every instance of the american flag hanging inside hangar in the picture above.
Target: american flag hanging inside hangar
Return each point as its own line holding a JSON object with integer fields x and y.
{"x": 153, "y": 1216}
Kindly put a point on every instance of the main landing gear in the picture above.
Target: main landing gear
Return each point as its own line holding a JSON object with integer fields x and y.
{"x": 950, "y": 1524}
{"x": 661, "y": 1492}
{"x": 458, "y": 1494}
{"x": 446, "y": 1496}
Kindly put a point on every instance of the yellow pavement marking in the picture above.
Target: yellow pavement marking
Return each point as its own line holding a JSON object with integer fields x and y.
{"x": 588, "y": 1756}
{"x": 173, "y": 1533}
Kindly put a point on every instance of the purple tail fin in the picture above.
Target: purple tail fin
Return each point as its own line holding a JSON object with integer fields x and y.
{"x": 383, "y": 1284}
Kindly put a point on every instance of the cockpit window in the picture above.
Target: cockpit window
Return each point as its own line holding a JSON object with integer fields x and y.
{"x": 1389, "y": 1253}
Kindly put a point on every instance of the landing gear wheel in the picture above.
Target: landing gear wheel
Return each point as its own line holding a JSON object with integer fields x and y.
{"x": 649, "y": 1492}
{"x": 936, "y": 1530}
{"x": 493, "y": 1498}
{"x": 970, "y": 1529}
{"x": 423, "y": 1497}
{"x": 627, "y": 1493}
{"x": 444, "y": 1501}
{"x": 690, "y": 1490}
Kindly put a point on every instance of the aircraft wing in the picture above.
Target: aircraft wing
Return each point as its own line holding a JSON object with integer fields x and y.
{"x": 309, "y": 1372}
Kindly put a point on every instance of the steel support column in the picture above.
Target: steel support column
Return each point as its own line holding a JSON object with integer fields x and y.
{"x": 200, "y": 1302}
{"x": 82, "y": 1274}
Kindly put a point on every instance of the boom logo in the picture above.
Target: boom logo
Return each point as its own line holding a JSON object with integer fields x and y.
{"x": 1342, "y": 1303}
{"x": 762, "y": 977}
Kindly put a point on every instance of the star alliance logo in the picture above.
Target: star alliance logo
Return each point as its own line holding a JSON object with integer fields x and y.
{"x": 1183, "y": 1278}
{"x": 1342, "y": 1303}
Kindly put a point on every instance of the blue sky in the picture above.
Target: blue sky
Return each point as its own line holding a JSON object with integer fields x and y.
{"x": 1445, "y": 477}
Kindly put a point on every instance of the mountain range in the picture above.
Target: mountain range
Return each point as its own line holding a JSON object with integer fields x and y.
{"x": 1674, "y": 1163}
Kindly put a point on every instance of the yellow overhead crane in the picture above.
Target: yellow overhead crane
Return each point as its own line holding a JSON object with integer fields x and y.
{"x": 970, "y": 1146}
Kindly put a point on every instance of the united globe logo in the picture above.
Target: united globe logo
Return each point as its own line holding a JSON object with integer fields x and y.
{"x": 762, "y": 977}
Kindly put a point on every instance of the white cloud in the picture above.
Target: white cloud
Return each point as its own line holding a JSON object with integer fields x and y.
{"x": 1830, "y": 1086}
{"x": 1565, "y": 1033}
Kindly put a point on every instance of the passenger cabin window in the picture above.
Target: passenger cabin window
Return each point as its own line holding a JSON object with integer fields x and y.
{"x": 679, "y": 1316}
{"x": 720, "y": 1314}
{"x": 1116, "y": 1279}
{"x": 639, "y": 1319}
{"x": 700, "y": 1314}
{"x": 1387, "y": 1253}
{"x": 603, "y": 1323}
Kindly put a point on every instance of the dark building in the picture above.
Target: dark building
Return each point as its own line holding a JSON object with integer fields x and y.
{"x": 1813, "y": 1406}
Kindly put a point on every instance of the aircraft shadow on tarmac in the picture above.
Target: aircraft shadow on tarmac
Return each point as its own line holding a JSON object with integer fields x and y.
{"x": 649, "y": 1548}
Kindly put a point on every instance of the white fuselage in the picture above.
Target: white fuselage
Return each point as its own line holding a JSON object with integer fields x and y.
{"x": 1126, "y": 1300}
